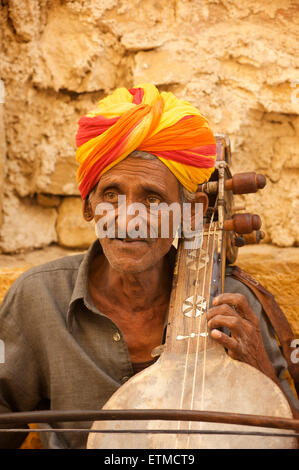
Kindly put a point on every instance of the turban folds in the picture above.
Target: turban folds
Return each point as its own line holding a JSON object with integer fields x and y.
{"x": 143, "y": 119}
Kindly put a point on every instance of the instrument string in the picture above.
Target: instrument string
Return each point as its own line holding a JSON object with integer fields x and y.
{"x": 205, "y": 342}
{"x": 199, "y": 330}
{"x": 199, "y": 260}
{"x": 194, "y": 306}
{"x": 184, "y": 380}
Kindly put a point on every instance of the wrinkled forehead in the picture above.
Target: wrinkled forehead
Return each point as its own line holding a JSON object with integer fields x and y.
{"x": 141, "y": 166}
{"x": 143, "y": 172}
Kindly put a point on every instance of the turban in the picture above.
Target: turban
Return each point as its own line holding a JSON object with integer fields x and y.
{"x": 143, "y": 119}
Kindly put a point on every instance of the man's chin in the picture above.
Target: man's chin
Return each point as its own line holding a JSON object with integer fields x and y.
{"x": 129, "y": 265}
{"x": 134, "y": 256}
{"x": 128, "y": 256}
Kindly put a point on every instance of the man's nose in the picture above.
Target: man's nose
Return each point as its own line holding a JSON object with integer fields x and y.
{"x": 131, "y": 218}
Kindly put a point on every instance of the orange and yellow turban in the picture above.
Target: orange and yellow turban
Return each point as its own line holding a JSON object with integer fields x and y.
{"x": 143, "y": 119}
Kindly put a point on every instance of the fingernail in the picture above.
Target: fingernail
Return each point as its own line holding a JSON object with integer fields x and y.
{"x": 216, "y": 333}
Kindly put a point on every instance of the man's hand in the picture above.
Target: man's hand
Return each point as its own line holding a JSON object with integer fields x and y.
{"x": 245, "y": 343}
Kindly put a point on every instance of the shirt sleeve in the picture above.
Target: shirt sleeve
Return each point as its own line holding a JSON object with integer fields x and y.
{"x": 20, "y": 385}
{"x": 274, "y": 353}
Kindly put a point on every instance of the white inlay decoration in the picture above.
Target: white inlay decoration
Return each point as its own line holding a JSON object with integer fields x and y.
{"x": 192, "y": 335}
{"x": 194, "y": 306}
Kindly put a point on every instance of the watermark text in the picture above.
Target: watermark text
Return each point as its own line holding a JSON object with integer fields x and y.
{"x": 295, "y": 353}
{"x": 139, "y": 221}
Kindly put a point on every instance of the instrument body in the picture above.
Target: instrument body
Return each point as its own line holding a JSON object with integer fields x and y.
{"x": 194, "y": 372}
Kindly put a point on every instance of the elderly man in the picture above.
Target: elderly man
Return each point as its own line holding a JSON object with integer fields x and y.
{"x": 77, "y": 328}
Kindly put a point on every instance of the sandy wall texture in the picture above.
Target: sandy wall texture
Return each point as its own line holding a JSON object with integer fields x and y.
{"x": 237, "y": 61}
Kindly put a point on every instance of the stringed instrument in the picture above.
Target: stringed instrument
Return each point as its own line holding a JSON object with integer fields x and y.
{"x": 193, "y": 372}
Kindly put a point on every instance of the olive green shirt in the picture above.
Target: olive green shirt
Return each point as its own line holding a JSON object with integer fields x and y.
{"x": 61, "y": 353}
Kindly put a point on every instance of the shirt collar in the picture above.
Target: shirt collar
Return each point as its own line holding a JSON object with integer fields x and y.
{"x": 81, "y": 290}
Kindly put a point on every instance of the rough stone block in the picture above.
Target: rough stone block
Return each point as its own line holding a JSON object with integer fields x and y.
{"x": 26, "y": 225}
{"x": 75, "y": 55}
{"x": 72, "y": 229}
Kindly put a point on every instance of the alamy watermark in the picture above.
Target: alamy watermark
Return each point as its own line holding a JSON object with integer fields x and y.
{"x": 138, "y": 221}
{"x": 295, "y": 353}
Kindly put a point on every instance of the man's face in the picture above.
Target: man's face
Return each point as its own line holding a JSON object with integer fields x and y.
{"x": 140, "y": 181}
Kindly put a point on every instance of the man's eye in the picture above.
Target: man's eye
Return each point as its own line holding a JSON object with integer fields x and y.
{"x": 153, "y": 200}
{"x": 111, "y": 196}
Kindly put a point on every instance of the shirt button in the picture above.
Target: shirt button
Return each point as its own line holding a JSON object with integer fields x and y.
{"x": 116, "y": 336}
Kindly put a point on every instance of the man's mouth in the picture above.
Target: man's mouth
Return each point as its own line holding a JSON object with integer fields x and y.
{"x": 131, "y": 240}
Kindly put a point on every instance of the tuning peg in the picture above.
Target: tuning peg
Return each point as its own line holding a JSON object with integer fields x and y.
{"x": 248, "y": 238}
{"x": 243, "y": 223}
{"x": 254, "y": 237}
{"x": 244, "y": 183}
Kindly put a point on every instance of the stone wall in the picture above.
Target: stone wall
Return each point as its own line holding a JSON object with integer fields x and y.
{"x": 235, "y": 60}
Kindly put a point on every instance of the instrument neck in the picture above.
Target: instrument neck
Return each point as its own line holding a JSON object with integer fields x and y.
{"x": 198, "y": 277}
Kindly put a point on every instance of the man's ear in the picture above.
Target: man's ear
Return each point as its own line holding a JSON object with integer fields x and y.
{"x": 203, "y": 199}
{"x": 87, "y": 210}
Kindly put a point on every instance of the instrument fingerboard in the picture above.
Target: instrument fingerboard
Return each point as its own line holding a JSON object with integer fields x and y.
{"x": 187, "y": 330}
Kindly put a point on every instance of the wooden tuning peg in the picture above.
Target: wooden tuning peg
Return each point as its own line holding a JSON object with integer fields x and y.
{"x": 248, "y": 238}
{"x": 244, "y": 183}
{"x": 254, "y": 237}
{"x": 243, "y": 223}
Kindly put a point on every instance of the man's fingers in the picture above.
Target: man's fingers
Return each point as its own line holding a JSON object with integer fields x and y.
{"x": 232, "y": 322}
{"x": 222, "y": 309}
{"x": 227, "y": 342}
{"x": 239, "y": 302}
